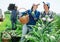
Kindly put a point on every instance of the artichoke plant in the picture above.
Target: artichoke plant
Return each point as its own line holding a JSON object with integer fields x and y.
{"x": 43, "y": 32}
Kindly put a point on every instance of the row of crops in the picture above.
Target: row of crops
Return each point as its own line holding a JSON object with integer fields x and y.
{"x": 49, "y": 32}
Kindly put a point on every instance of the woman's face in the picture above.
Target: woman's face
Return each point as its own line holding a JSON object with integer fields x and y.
{"x": 45, "y": 7}
{"x": 35, "y": 7}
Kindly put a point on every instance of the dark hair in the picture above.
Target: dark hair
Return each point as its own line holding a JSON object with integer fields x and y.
{"x": 11, "y": 7}
{"x": 48, "y": 7}
{"x": 32, "y": 8}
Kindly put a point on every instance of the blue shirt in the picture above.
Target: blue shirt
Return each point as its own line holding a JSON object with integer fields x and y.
{"x": 36, "y": 15}
{"x": 14, "y": 14}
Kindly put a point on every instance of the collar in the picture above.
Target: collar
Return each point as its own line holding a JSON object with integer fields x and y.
{"x": 47, "y": 13}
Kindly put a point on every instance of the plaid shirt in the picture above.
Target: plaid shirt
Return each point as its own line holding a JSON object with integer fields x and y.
{"x": 49, "y": 14}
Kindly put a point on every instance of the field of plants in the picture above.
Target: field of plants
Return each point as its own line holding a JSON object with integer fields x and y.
{"x": 49, "y": 32}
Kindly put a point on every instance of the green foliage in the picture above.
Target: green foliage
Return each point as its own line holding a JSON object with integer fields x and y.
{"x": 41, "y": 32}
{"x": 6, "y": 35}
{"x": 6, "y": 23}
{"x": 7, "y": 12}
{"x": 58, "y": 22}
{"x": 44, "y": 32}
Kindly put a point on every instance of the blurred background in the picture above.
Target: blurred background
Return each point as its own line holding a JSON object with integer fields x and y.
{"x": 54, "y": 4}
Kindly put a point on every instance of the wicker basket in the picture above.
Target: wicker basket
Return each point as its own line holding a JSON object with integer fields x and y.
{"x": 5, "y": 40}
{"x": 24, "y": 19}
